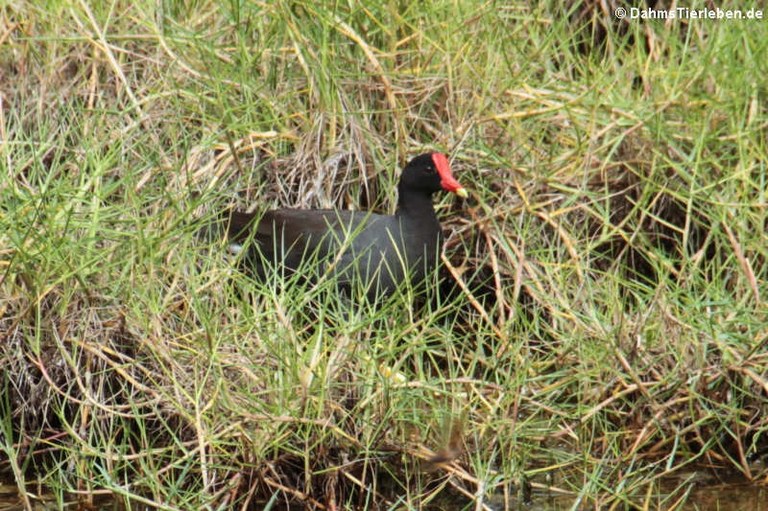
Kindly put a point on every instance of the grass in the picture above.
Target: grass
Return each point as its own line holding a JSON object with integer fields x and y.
{"x": 606, "y": 328}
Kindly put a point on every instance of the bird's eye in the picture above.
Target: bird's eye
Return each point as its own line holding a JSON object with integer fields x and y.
{"x": 430, "y": 169}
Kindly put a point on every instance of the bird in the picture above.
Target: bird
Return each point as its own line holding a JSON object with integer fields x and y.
{"x": 364, "y": 252}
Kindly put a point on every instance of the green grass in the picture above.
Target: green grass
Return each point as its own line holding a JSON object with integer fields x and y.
{"x": 612, "y": 324}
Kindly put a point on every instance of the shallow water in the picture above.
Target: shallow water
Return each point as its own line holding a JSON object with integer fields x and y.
{"x": 694, "y": 490}
{"x": 729, "y": 497}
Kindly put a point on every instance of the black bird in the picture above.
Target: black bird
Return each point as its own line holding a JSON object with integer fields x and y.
{"x": 353, "y": 247}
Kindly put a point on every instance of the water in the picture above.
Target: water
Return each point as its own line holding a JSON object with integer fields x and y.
{"x": 691, "y": 490}
{"x": 700, "y": 490}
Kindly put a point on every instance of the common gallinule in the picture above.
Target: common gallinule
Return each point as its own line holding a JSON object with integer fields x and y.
{"x": 353, "y": 247}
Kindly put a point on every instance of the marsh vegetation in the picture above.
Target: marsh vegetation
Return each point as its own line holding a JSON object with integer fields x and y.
{"x": 600, "y": 321}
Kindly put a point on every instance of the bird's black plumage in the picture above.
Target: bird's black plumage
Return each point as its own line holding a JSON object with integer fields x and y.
{"x": 376, "y": 251}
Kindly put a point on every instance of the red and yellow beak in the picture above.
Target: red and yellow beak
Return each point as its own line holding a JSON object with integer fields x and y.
{"x": 447, "y": 181}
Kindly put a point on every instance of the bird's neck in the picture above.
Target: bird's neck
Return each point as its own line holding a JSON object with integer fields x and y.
{"x": 411, "y": 202}
{"x": 417, "y": 206}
